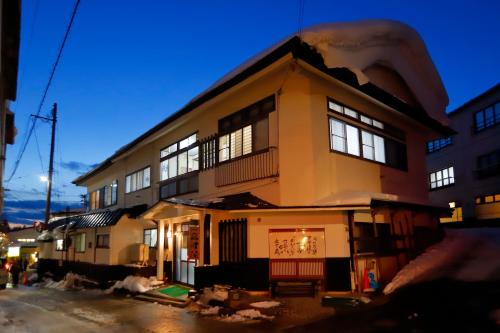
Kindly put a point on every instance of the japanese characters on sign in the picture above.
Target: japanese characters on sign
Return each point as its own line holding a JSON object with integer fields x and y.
{"x": 194, "y": 243}
{"x": 296, "y": 243}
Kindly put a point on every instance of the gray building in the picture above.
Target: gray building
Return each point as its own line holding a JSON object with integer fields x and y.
{"x": 464, "y": 170}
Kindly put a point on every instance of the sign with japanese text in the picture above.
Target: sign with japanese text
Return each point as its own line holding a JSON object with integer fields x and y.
{"x": 194, "y": 243}
{"x": 296, "y": 243}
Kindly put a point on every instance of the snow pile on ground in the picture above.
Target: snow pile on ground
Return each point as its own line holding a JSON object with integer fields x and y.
{"x": 265, "y": 304}
{"x": 245, "y": 315}
{"x": 137, "y": 284}
{"x": 70, "y": 281}
{"x": 211, "y": 311}
{"x": 217, "y": 293}
{"x": 466, "y": 255}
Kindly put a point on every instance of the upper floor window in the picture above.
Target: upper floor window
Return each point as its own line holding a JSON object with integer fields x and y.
{"x": 105, "y": 196}
{"x": 350, "y": 139}
{"x": 179, "y": 158}
{"x": 487, "y": 117}
{"x": 442, "y": 178}
{"x": 488, "y": 164}
{"x": 438, "y": 144}
{"x": 138, "y": 180}
{"x": 245, "y": 131}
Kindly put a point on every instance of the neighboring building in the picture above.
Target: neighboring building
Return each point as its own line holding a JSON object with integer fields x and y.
{"x": 10, "y": 27}
{"x": 464, "y": 169}
{"x": 290, "y": 167}
{"x": 23, "y": 245}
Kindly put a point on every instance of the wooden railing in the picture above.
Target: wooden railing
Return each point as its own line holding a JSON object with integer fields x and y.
{"x": 297, "y": 269}
{"x": 246, "y": 168}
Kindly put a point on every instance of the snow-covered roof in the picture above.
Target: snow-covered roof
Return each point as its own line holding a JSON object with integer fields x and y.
{"x": 358, "y": 45}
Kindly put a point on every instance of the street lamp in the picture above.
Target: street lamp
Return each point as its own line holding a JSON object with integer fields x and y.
{"x": 44, "y": 179}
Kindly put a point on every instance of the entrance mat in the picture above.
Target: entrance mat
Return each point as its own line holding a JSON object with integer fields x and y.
{"x": 175, "y": 290}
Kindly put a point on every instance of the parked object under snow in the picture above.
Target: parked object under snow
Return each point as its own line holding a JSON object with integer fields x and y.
{"x": 136, "y": 284}
{"x": 466, "y": 255}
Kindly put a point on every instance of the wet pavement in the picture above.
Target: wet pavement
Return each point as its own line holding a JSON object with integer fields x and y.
{"x": 38, "y": 310}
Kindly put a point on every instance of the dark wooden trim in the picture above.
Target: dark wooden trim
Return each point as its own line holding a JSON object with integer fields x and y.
{"x": 297, "y": 230}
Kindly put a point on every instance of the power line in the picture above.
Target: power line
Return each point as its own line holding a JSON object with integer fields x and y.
{"x": 300, "y": 17}
{"x": 54, "y": 67}
{"x": 38, "y": 149}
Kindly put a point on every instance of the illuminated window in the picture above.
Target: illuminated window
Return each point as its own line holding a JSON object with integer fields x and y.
{"x": 487, "y": 199}
{"x": 59, "y": 245}
{"x": 442, "y": 178}
{"x": 79, "y": 242}
{"x": 150, "y": 237}
{"x": 438, "y": 144}
{"x": 179, "y": 158}
{"x": 487, "y": 117}
{"x": 138, "y": 180}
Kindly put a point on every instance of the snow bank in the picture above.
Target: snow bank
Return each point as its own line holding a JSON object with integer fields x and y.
{"x": 467, "y": 255}
{"x": 137, "y": 284}
{"x": 244, "y": 315}
{"x": 211, "y": 311}
{"x": 70, "y": 281}
{"x": 265, "y": 304}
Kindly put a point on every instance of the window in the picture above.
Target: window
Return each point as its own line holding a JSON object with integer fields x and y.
{"x": 487, "y": 117}
{"x": 138, "y": 180}
{"x": 208, "y": 157}
{"x": 79, "y": 241}
{"x": 487, "y": 199}
{"x": 150, "y": 237}
{"x": 104, "y": 197}
{"x": 349, "y": 139}
{"x": 59, "y": 245}
{"x": 103, "y": 241}
{"x": 179, "y": 158}
{"x": 235, "y": 144}
{"x": 488, "y": 165}
{"x": 245, "y": 131}
{"x": 457, "y": 213}
{"x": 438, "y": 144}
{"x": 442, "y": 178}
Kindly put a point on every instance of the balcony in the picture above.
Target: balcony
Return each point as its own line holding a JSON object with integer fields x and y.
{"x": 250, "y": 167}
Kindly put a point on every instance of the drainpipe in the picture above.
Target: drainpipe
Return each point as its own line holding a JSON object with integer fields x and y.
{"x": 160, "y": 249}
{"x": 354, "y": 268}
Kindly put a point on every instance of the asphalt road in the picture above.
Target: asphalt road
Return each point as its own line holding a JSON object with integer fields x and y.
{"x": 37, "y": 310}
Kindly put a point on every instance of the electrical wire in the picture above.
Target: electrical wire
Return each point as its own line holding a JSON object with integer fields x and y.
{"x": 38, "y": 150}
{"x": 54, "y": 67}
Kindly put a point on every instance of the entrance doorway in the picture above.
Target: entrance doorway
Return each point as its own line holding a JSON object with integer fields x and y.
{"x": 186, "y": 250}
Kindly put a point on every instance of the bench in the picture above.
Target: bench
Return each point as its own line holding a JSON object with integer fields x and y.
{"x": 296, "y": 276}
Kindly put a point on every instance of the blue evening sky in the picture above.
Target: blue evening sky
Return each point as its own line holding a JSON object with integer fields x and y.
{"x": 129, "y": 64}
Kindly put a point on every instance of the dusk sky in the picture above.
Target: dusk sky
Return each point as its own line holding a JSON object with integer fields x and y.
{"x": 129, "y": 64}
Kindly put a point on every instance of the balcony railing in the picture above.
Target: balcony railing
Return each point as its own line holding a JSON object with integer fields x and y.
{"x": 246, "y": 168}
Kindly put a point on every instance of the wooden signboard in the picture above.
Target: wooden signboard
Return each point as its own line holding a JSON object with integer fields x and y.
{"x": 296, "y": 243}
{"x": 194, "y": 243}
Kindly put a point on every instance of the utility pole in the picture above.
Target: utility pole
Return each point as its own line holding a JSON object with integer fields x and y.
{"x": 51, "y": 162}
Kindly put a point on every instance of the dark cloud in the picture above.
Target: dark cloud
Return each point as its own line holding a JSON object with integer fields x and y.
{"x": 27, "y": 211}
{"x": 78, "y": 167}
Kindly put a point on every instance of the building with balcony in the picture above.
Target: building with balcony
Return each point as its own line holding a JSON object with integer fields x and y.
{"x": 464, "y": 169}
{"x": 304, "y": 163}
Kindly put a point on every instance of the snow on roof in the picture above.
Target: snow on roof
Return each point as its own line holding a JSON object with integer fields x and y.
{"x": 358, "y": 45}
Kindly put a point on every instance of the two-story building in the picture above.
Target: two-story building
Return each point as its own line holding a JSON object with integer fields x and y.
{"x": 464, "y": 169}
{"x": 306, "y": 162}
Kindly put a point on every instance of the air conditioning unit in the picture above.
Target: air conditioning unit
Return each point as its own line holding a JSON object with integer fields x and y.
{"x": 139, "y": 253}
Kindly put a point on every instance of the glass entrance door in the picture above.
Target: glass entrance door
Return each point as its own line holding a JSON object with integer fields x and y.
{"x": 185, "y": 252}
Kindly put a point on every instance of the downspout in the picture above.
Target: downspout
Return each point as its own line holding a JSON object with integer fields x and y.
{"x": 95, "y": 243}
{"x": 353, "y": 266}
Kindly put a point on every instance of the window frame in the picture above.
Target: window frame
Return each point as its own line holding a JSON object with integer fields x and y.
{"x": 74, "y": 236}
{"x": 482, "y": 199}
{"x": 98, "y": 236}
{"x": 144, "y": 238}
{"x": 429, "y": 178}
{"x": 360, "y": 143}
{"x": 482, "y": 112}
{"x": 176, "y": 154}
{"x": 135, "y": 172}
{"x": 448, "y": 141}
